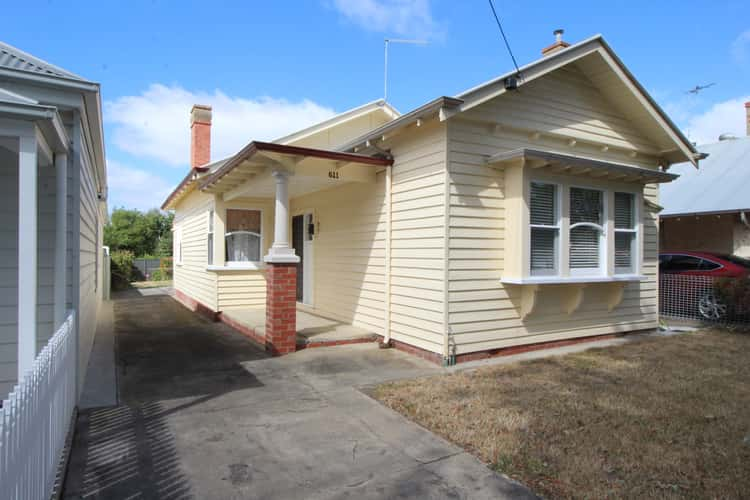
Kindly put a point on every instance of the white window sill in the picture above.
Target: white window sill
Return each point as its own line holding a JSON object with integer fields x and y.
{"x": 559, "y": 280}
{"x": 238, "y": 266}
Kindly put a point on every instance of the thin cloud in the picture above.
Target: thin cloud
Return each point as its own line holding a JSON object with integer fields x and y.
{"x": 131, "y": 187}
{"x": 723, "y": 117}
{"x": 741, "y": 47}
{"x": 410, "y": 18}
{"x": 156, "y": 123}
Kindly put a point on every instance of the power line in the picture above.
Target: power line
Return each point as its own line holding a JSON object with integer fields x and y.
{"x": 505, "y": 39}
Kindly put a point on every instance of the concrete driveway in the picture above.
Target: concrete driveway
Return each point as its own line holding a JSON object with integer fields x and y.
{"x": 204, "y": 413}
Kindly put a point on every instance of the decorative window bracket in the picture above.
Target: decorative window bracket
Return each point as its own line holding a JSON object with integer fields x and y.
{"x": 571, "y": 295}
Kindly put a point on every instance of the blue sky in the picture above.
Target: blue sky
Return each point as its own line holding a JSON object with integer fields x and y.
{"x": 269, "y": 68}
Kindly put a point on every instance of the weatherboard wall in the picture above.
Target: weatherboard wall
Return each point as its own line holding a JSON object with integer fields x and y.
{"x": 483, "y": 313}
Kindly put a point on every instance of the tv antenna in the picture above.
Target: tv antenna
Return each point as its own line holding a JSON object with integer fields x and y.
{"x": 389, "y": 41}
{"x": 698, "y": 88}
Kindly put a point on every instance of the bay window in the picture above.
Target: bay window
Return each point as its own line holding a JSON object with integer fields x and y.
{"x": 243, "y": 235}
{"x": 568, "y": 234}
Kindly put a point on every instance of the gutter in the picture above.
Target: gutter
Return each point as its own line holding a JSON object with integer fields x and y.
{"x": 191, "y": 175}
{"x": 257, "y": 146}
{"x": 422, "y": 112}
{"x": 39, "y": 112}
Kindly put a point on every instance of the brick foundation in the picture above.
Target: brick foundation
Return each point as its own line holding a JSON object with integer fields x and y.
{"x": 196, "y": 306}
{"x": 281, "y": 308}
{"x": 504, "y": 351}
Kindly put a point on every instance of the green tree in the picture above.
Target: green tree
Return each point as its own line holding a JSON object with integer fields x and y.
{"x": 140, "y": 233}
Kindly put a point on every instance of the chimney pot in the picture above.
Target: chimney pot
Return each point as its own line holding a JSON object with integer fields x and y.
{"x": 558, "y": 45}
{"x": 200, "y": 135}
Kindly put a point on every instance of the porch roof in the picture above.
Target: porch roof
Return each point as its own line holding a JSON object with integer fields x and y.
{"x": 259, "y": 157}
{"x": 576, "y": 165}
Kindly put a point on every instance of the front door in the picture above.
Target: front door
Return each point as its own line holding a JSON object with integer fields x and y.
{"x": 298, "y": 242}
{"x": 302, "y": 240}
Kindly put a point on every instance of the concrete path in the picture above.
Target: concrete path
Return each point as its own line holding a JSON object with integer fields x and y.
{"x": 204, "y": 414}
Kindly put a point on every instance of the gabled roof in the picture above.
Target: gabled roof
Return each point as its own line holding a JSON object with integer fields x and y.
{"x": 339, "y": 119}
{"x": 721, "y": 185}
{"x": 13, "y": 58}
{"x": 595, "y": 57}
{"x": 215, "y": 170}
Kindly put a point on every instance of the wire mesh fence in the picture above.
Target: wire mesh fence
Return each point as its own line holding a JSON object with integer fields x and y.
{"x": 704, "y": 298}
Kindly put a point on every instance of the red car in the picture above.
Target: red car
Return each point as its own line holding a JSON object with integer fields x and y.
{"x": 698, "y": 284}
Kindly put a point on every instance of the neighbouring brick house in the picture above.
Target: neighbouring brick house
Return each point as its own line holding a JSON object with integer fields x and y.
{"x": 519, "y": 213}
{"x": 709, "y": 209}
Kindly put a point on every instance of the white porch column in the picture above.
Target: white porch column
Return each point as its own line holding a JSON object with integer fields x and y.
{"x": 27, "y": 253}
{"x": 281, "y": 251}
{"x": 61, "y": 236}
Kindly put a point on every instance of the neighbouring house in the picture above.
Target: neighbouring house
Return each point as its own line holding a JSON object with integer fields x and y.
{"x": 52, "y": 201}
{"x": 520, "y": 212}
{"x": 709, "y": 209}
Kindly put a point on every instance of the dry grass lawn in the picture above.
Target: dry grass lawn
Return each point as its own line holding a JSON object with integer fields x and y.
{"x": 658, "y": 417}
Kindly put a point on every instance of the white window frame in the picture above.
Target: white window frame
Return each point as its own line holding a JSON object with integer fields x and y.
{"x": 607, "y": 234}
{"x": 558, "y": 227}
{"x": 635, "y": 257}
{"x": 177, "y": 237}
{"x": 601, "y": 270}
{"x": 210, "y": 257}
{"x": 241, "y": 263}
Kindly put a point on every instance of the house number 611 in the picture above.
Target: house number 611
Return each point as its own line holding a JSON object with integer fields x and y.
{"x": 333, "y": 174}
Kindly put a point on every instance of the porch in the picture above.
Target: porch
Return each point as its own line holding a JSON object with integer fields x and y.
{"x": 312, "y": 330}
{"x": 334, "y": 272}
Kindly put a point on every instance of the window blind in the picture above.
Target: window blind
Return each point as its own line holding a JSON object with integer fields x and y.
{"x": 586, "y": 208}
{"x": 625, "y": 232}
{"x": 624, "y": 211}
{"x": 543, "y": 204}
{"x": 544, "y": 231}
{"x": 584, "y": 247}
{"x": 243, "y": 235}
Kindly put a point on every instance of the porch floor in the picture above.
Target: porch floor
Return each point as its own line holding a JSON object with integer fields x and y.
{"x": 311, "y": 329}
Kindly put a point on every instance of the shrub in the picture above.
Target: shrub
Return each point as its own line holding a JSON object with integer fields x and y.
{"x": 735, "y": 292}
{"x": 122, "y": 268}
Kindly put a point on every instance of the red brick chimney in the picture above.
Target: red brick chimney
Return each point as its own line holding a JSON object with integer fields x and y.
{"x": 558, "y": 45}
{"x": 747, "y": 118}
{"x": 200, "y": 135}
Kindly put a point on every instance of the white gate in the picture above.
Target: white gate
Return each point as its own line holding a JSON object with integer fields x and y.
{"x": 35, "y": 419}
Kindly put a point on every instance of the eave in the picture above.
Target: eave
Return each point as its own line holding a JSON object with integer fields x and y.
{"x": 559, "y": 163}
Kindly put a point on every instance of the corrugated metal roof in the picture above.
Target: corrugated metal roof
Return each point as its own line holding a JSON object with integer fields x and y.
{"x": 11, "y": 57}
{"x": 15, "y": 98}
{"x": 721, "y": 184}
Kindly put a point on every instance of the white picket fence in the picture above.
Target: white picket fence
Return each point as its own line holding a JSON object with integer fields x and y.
{"x": 35, "y": 419}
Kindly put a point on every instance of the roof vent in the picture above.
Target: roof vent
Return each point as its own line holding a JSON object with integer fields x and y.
{"x": 558, "y": 45}
{"x": 727, "y": 136}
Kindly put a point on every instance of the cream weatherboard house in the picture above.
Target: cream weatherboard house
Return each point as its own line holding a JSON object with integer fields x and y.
{"x": 52, "y": 208}
{"x": 520, "y": 212}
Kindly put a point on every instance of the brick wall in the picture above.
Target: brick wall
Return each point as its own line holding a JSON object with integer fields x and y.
{"x": 281, "y": 308}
